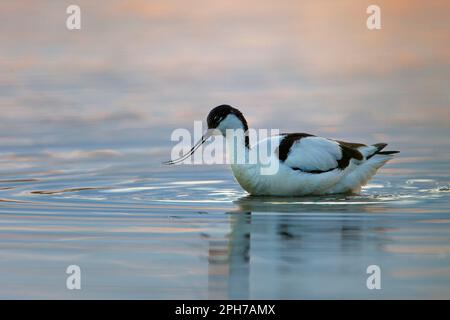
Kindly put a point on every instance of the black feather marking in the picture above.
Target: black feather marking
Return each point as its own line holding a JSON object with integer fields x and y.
{"x": 388, "y": 152}
{"x": 314, "y": 171}
{"x": 352, "y": 145}
{"x": 347, "y": 155}
{"x": 286, "y": 143}
{"x": 381, "y": 146}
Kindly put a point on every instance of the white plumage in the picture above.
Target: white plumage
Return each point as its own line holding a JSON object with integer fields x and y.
{"x": 316, "y": 154}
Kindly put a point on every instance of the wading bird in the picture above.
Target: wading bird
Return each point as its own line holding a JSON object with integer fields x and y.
{"x": 307, "y": 164}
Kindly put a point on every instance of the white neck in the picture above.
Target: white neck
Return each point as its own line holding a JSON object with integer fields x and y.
{"x": 238, "y": 155}
{"x": 237, "y": 150}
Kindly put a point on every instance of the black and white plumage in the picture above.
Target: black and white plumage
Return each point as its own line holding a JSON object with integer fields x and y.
{"x": 307, "y": 165}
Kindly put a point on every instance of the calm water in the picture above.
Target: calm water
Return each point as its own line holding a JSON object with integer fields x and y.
{"x": 86, "y": 119}
{"x": 141, "y": 230}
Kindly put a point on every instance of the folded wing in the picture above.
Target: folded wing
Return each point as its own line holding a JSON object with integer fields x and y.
{"x": 313, "y": 154}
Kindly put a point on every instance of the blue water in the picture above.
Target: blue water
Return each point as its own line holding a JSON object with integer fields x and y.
{"x": 138, "y": 229}
{"x": 87, "y": 116}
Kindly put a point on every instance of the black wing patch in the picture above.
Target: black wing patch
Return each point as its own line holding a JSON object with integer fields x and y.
{"x": 348, "y": 154}
{"x": 351, "y": 145}
{"x": 313, "y": 171}
{"x": 287, "y": 142}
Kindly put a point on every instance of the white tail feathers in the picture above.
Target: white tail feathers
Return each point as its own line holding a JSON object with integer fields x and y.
{"x": 365, "y": 170}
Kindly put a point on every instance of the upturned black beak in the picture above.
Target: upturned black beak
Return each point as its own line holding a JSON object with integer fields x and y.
{"x": 205, "y": 137}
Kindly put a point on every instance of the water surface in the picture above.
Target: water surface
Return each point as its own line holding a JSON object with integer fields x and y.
{"x": 86, "y": 119}
{"x": 141, "y": 230}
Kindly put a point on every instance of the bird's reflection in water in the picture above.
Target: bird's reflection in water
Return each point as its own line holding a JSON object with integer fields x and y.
{"x": 312, "y": 204}
{"x": 229, "y": 261}
{"x": 284, "y": 234}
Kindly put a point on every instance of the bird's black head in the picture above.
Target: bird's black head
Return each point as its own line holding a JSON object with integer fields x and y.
{"x": 220, "y": 113}
{"x": 222, "y": 118}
